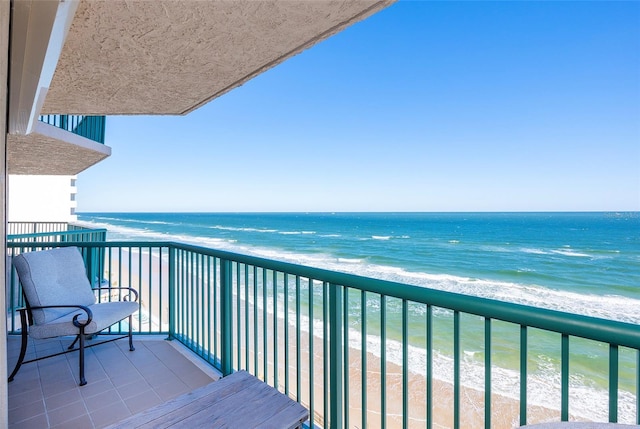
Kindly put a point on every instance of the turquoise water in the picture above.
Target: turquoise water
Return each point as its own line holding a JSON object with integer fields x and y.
{"x": 579, "y": 262}
{"x": 586, "y": 263}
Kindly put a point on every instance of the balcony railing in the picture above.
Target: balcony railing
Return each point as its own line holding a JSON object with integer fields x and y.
{"x": 91, "y": 127}
{"x": 361, "y": 352}
{"x": 52, "y": 232}
{"x": 25, "y": 230}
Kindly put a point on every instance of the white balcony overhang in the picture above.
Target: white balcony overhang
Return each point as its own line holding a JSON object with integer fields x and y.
{"x": 38, "y": 32}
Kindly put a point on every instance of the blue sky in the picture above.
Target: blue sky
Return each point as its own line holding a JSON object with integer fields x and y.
{"x": 425, "y": 106}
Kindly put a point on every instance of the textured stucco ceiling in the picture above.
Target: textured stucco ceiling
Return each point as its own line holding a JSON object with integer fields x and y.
{"x": 170, "y": 57}
{"x": 52, "y": 151}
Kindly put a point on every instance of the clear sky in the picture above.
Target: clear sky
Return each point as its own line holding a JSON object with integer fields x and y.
{"x": 425, "y": 106}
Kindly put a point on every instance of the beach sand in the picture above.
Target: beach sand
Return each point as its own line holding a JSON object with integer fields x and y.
{"x": 149, "y": 275}
{"x": 140, "y": 270}
{"x": 505, "y": 411}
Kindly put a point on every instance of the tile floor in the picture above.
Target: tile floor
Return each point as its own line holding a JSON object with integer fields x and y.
{"x": 45, "y": 394}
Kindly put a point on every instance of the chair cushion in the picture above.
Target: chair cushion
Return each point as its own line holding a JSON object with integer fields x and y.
{"x": 105, "y": 314}
{"x": 54, "y": 277}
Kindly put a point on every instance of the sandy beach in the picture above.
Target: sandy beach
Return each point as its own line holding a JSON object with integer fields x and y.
{"x": 505, "y": 411}
{"x": 141, "y": 270}
{"x": 149, "y": 275}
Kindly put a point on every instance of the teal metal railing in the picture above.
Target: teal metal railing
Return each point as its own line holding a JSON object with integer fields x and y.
{"x": 91, "y": 127}
{"x": 362, "y": 352}
{"x": 14, "y": 228}
{"x": 53, "y": 232}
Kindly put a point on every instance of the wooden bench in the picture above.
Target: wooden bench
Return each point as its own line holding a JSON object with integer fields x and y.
{"x": 239, "y": 400}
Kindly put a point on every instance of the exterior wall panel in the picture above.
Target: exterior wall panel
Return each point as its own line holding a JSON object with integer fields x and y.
{"x": 41, "y": 198}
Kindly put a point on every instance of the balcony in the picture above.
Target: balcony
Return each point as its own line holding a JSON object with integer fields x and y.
{"x": 91, "y": 127}
{"x": 121, "y": 383}
{"x": 58, "y": 145}
{"x": 356, "y": 351}
{"x": 48, "y": 231}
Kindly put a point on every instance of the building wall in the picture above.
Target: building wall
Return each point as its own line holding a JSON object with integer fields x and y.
{"x": 5, "y": 7}
{"x": 41, "y": 198}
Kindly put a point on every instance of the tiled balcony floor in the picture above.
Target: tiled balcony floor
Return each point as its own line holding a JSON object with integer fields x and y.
{"x": 45, "y": 394}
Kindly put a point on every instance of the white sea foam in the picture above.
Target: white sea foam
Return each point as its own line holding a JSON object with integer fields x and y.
{"x": 609, "y": 306}
{"x": 566, "y": 252}
{"x": 127, "y": 220}
{"x": 124, "y": 232}
{"x": 349, "y": 260}
{"x": 543, "y": 386}
{"x": 534, "y": 251}
{"x": 233, "y": 228}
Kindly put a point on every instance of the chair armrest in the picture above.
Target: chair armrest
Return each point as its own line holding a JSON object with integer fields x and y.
{"x": 130, "y": 289}
{"x": 75, "y": 318}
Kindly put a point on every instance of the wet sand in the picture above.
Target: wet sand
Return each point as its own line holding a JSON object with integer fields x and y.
{"x": 141, "y": 270}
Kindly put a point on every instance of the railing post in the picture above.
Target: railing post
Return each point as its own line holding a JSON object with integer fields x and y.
{"x": 102, "y": 120}
{"x": 613, "y": 383}
{"x": 335, "y": 356}
{"x": 172, "y": 293}
{"x": 226, "y": 317}
{"x": 90, "y": 266}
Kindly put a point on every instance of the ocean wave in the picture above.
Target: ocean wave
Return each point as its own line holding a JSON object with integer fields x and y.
{"x": 566, "y": 252}
{"x": 544, "y": 384}
{"x": 296, "y": 232}
{"x": 349, "y": 260}
{"x": 614, "y": 307}
{"x": 609, "y": 306}
{"x": 534, "y": 251}
{"x": 241, "y": 229}
{"x": 389, "y": 237}
{"x": 543, "y": 387}
{"x": 117, "y": 233}
{"x": 127, "y": 220}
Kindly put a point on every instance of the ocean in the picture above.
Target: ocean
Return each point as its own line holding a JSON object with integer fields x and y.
{"x": 585, "y": 263}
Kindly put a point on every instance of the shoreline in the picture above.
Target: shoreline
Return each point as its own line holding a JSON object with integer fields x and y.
{"x": 504, "y": 410}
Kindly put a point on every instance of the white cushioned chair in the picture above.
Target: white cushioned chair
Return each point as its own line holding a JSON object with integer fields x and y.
{"x": 60, "y": 302}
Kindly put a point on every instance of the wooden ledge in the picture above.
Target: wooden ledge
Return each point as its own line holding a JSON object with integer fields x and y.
{"x": 238, "y": 400}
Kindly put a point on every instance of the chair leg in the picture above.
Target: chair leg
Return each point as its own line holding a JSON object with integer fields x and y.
{"x": 73, "y": 343}
{"x": 131, "y": 348}
{"x": 23, "y": 345}
{"x": 83, "y": 381}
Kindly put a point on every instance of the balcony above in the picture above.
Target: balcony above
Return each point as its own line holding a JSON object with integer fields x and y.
{"x": 152, "y": 57}
{"x": 58, "y": 145}
{"x": 117, "y": 57}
